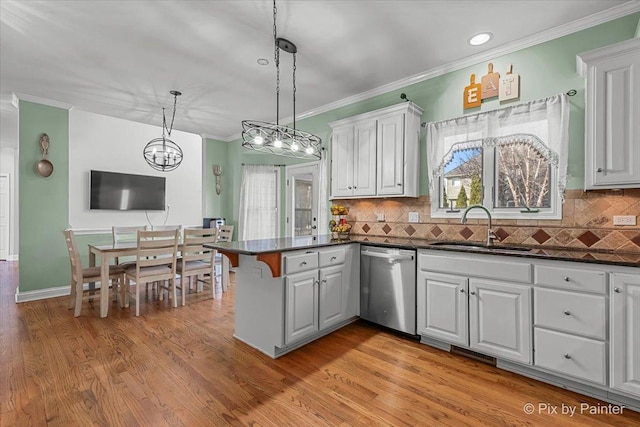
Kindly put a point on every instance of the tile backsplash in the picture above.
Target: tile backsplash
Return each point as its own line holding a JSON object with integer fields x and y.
{"x": 587, "y": 222}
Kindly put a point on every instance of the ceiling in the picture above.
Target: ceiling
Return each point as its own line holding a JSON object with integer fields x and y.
{"x": 121, "y": 58}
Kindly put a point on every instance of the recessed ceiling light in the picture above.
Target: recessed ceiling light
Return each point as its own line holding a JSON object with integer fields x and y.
{"x": 263, "y": 61}
{"x": 479, "y": 39}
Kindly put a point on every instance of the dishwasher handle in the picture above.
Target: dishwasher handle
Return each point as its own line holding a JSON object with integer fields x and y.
{"x": 390, "y": 257}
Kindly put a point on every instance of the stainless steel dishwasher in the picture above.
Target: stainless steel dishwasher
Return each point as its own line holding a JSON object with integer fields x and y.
{"x": 388, "y": 287}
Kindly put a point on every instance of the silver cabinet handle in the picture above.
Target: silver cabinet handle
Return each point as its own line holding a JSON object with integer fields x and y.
{"x": 333, "y": 258}
{"x": 567, "y": 279}
{"x": 599, "y": 170}
{"x": 313, "y": 227}
{"x": 303, "y": 263}
{"x": 567, "y": 356}
{"x": 399, "y": 184}
{"x": 324, "y": 280}
{"x": 462, "y": 290}
{"x": 616, "y": 290}
{"x": 567, "y": 312}
{"x": 472, "y": 292}
{"x": 349, "y": 187}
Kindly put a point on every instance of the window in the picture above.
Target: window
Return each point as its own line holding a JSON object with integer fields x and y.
{"x": 513, "y": 161}
{"x": 259, "y": 202}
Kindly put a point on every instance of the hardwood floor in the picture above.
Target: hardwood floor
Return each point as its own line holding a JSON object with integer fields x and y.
{"x": 182, "y": 367}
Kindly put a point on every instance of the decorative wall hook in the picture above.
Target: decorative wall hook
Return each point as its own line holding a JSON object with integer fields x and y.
{"x": 217, "y": 171}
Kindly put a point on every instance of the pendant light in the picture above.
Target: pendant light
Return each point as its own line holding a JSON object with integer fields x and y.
{"x": 275, "y": 138}
{"x": 162, "y": 153}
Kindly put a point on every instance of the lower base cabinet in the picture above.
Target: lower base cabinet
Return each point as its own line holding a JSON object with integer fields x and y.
{"x": 625, "y": 332}
{"x": 302, "y": 305}
{"x": 500, "y": 319}
{"x": 486, "y": 316}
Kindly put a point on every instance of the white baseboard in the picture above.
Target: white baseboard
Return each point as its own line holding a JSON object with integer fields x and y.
{"x": 12, "y": 258}
{"x": 39, "y": 294}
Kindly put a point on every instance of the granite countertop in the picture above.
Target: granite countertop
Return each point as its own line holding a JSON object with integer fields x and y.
{"x": 255, "y": 247}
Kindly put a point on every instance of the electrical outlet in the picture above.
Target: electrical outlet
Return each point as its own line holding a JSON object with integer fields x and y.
{"x": 624, "y": 220}
{"x": 414, "y": 217}
{"x": 381, "y": 216}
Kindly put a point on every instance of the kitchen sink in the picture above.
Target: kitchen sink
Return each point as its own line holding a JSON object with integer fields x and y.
{"x": 475, "y": 246}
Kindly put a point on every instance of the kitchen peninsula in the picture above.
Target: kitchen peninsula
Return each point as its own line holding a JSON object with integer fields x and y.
{"x": 291, "y": 291}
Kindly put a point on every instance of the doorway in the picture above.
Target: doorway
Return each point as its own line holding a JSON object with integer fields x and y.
{"x": 302, "y": 200}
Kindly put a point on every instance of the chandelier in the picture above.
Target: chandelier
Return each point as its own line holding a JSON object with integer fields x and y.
{"x": 163, "y": 154}
{"x": 275, "y": 138}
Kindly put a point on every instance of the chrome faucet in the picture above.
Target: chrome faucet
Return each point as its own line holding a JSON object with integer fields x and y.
{"x": 491, "y": 235}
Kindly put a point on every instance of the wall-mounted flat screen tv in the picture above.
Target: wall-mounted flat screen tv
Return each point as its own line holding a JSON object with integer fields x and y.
{"x": 125, "y": 192}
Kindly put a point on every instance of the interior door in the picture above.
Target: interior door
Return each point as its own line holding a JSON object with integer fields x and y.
{"x": 302, "y": 200}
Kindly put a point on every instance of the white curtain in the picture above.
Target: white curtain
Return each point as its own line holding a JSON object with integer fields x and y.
{"x": 259, "y": 215}
{"x": 547, "y": 119}
{"x": 323, "y": 198}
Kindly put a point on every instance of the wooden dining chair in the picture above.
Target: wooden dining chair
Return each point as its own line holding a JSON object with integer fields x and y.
{"x": 225, "y": 234}
{"x": 156, "y": 260}
{"x": 197, "y": 260}
{"x": 80, "y": 276}
{"x": 125, "y": 234}
{"x": 169, "y": 227}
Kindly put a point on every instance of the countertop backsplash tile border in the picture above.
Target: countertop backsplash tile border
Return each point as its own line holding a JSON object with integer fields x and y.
{"x": 587, "y": 222}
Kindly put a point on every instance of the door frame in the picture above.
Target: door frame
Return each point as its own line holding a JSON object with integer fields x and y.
{"x": 313, "y": 169}
{"x": 9, "y": 216}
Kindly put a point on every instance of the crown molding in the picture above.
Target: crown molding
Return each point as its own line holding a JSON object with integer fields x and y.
{"x": 43, "y": 101}
{"x": 616, "y": 12}
{"x": 217, "y": 137}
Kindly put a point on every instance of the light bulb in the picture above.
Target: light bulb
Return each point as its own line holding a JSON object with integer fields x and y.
{"x": 294, "y": 147}
{"x": 277, "y": 143}
{"x": 309, "y": 150}
{"x": 258, "y": 140}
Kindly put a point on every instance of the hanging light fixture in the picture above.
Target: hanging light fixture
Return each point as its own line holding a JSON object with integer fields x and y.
{"x": 275, "y": 138}
{"x": 163, "y": 154}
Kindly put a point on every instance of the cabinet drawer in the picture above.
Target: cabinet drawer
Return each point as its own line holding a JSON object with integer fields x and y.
{"x": 571, "y": 278}
{"x": 332, "y": 257}
{"x": 300, "y": 262}
{"x": 572, "y": 312}
{"x": 571, "y": 355}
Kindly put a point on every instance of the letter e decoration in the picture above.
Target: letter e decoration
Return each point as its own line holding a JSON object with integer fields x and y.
{"x": 472, "y": 93}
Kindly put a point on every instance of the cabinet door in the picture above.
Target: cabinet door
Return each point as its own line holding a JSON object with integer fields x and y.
{"x": 442, "y": 307}
{"x": 391, "y": 155}
{"x": 612, "y": 125}
{"x": 364, "y": 174}
{"x": 302, "y": 306}
{"x": 625, "y": 332}
{"x": 342, "y": 157}
{"x": 332, "y": 304}
{"x": 500, "y": 319}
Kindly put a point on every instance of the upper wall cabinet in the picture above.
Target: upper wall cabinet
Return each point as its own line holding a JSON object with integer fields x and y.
{"x": 376, "y": 154}
{"x": 612, "y": 128}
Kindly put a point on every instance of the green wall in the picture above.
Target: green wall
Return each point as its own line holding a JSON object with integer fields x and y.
{"x": 43, "y": 202}
{"x": 545, "y": 70}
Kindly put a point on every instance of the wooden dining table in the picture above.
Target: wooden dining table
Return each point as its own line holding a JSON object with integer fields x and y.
{"x": 108, "y": 252}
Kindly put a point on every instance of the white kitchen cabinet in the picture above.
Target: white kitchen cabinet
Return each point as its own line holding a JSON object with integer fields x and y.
{"x": 332, "y": 296}
{"x": 460, "y": 305}
{"x": 500, "y": 319}
{"x": 354, "y": 160}
{"x": 625, "y": 332}
{"x": 612, "y": 128}
{"x": 319, "y": 291}
{"x": 442, "y": 307}
{"x": 390, "y": 165}
{"x": 376, "y": 154}
{"x": 302, "y": 305}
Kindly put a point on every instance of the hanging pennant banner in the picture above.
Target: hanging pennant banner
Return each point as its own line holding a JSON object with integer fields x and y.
{"x": 509, "y": 85}
{"x": 490, "y": 83}
{"x": 472, "y": 93}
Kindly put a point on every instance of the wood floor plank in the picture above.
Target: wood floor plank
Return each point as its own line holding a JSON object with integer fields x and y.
{"x": 182, "y": 367}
